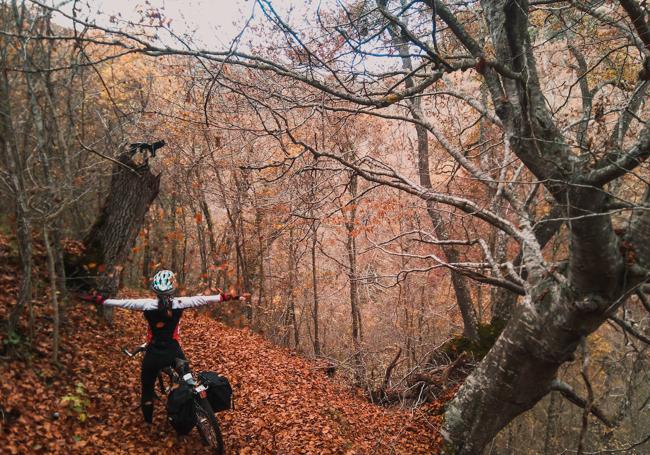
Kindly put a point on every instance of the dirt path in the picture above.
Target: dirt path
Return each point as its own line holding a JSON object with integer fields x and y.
{"x": 283, "y": 403}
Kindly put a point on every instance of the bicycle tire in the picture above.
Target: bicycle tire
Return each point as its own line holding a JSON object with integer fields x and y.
{"x": 208, "y": 427}
{"x": 161, "y": 384}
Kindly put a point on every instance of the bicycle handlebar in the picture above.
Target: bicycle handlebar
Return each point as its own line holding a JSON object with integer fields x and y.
{"x": 138, "y": 350}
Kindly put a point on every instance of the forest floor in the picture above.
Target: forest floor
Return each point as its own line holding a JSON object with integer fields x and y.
{"x": 89, "y": 402}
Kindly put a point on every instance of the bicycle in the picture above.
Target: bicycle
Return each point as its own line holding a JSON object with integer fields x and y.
{"x": 206, "y": 422}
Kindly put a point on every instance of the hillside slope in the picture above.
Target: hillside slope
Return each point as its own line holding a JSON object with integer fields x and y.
{"x": 283, "y": 403}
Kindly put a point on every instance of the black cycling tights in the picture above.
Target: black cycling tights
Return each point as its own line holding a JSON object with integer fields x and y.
{"x": 157, "y": 357}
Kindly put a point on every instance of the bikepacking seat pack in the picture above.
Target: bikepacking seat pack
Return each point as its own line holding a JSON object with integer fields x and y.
{"x": 180, "y": 409}
{"x": 219, "y": 390}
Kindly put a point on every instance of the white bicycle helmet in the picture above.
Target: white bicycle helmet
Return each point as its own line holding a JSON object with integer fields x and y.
{"x": 163, "y": 282}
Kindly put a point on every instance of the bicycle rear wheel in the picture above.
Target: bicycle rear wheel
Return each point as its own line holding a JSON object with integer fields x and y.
{"x": 208, "y": 427}
{"x": 161, "y": 384}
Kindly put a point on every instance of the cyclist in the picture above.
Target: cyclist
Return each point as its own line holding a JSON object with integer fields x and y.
{"x": 163, "y": 316}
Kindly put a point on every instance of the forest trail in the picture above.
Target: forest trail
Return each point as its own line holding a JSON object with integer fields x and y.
{"x": 283, "y": 403}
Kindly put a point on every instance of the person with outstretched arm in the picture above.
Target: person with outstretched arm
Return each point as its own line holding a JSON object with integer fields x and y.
{"x": 163, "y": 315}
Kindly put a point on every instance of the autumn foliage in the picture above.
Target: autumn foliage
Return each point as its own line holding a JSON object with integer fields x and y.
{"x": 429, "y": 198}
{"x": 89, "y": 403}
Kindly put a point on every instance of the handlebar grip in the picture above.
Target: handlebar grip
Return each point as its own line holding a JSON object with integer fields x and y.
{"x": 140, "y": 348}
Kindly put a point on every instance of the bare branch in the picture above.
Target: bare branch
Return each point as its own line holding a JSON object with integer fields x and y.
{"x": 637, "y": 15}
{"x": 567, "y": 392}
{"x": 391, "y": 366}
{"x": 613, "y": 169}
{"x": 643, "y": 299}
{"x": 630, "y": 329}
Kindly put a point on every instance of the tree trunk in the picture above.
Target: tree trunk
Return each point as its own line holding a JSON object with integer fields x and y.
{"x": 558, "y": 311}
{"x": 9, "y": 148}
{"x": 207, "y": 257}
{"x": 222, "y": 258}
{"x": 146, "y": 254}
{"x": 288, "y": 309}
{"x": 554, "y": 317}
{"x": 245, "y": 266}
{"x": 24, "y": 237}
{"x": 516, "y": 373}
{"x": 355, "y": 313}
{"x": 51, "y": 267}
{"x": 183, "y": 273}
{"x": 235, "y": 219}
{"x": 260, "y": 278}
{"x": 203, "y": 253}
{"x": 316, "y": 339}
{"x": 133, "y": 189}
{"x": 459, "y": 282}
{"x": 60, "y": 268}
{"x": 503, "y": 300}
{"x": 461, "y": 287}
{"x": 290, "y": 323}
{"x": 174, "y": 246}
{"x": 210, "y": 225}
{"x": 551, "y": 424}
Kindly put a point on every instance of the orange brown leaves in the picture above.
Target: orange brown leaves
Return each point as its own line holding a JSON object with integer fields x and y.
{"x": 283, "y": 402}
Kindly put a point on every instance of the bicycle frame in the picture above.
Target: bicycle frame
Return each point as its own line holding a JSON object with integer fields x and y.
{"x": 181, "y": 373}
{"x": 178, "y": 373}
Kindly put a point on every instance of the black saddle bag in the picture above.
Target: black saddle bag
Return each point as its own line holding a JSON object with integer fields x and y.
{"x": 219, "y": 390}
{"x": 180, "y": 409}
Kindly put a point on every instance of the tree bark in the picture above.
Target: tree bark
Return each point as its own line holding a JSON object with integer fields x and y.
{"x": 504, "y": 300}
{"x": 557, "y": 311}
{"x": 146, "y": 254}
{"x": 355, "y": 313}
{"x": 292, "y": 303}
{"x": 51, "y": 267}
{"x": 210, "y": 225}
{"x": 316, "y": 340}
{"x": 260, "y": 279}
{"x": 210, "y": 256}
{"x": 174, "y": 242}
{"x": 109, "y": 241}
{"x": 289, "y": 310}
{"x": 551, "y": 424}
{"x": 25, "y": 247}
{"x": 203, "y": 253}
{"x": 11, "y": 155}
{"x": 183, "y": 273}
{"x": 518, "y": 370}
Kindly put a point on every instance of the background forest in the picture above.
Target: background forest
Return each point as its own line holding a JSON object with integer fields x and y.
{"x": 424, "y": 195}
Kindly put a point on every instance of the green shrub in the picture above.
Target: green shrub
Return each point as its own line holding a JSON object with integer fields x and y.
{"x": 77, "y": 402}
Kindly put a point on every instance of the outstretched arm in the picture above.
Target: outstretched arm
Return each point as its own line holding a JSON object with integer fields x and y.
{"x": 200, "y": 300}
{"x": 133, "y": 304}
{"x": 152, "y": 304}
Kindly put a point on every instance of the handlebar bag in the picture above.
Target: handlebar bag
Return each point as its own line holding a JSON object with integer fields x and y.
{"x": 180, "y": 409}
{"x": 219, "y": 390}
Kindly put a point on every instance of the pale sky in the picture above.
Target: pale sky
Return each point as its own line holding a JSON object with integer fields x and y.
{"x": 211, "y": 23}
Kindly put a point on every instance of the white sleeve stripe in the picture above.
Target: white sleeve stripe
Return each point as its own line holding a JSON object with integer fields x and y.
{"x": 133, "y": 304}
{"x": 195, "y": 301}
